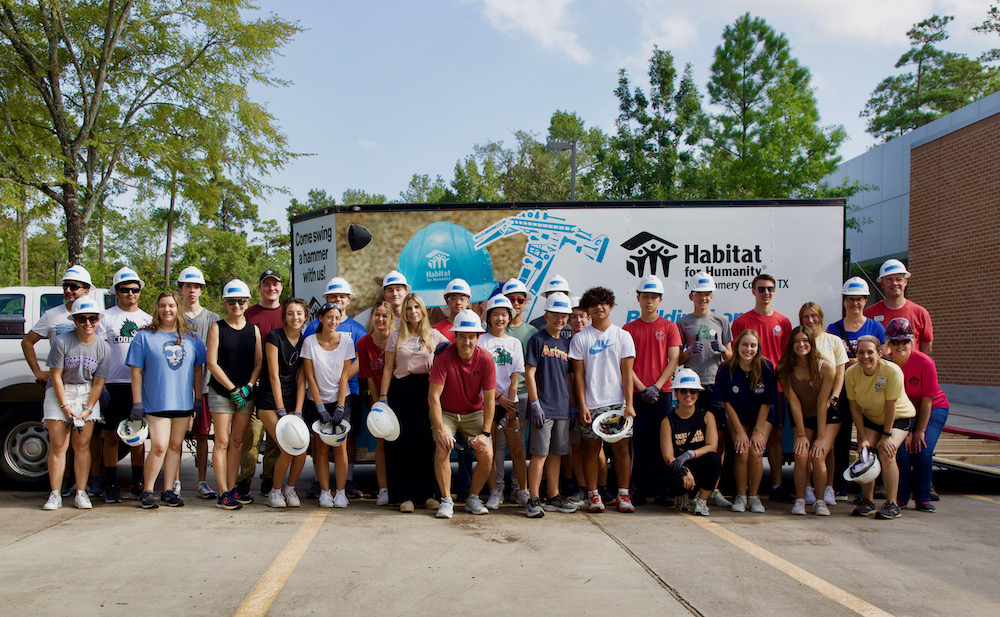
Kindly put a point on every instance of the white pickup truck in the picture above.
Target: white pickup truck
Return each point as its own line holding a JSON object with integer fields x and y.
{"x": 23, "y": 438}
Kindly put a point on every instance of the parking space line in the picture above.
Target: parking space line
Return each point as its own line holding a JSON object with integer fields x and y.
{"x": 273, "y": 580}
{"x": 831, "y": 591}
{"x": 982, "y": 498}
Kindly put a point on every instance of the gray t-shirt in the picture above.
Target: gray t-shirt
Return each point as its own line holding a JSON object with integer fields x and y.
{"x": 711, "y": 327}
{"x": 80, "y": 362}
{"x": 200, "y": 324}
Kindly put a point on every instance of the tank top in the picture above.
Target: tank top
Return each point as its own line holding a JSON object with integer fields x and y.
{"x": 687, "y": 433}
{"x": 805, "y": 390}
{"x": 236, "y": 353}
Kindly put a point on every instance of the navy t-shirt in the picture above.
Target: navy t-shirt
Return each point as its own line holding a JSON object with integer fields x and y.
{"x": 733, "y": 386}
{"x": 550, "y": 357}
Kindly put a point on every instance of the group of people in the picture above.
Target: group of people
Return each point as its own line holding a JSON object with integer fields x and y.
{"x": 569, "y": 395}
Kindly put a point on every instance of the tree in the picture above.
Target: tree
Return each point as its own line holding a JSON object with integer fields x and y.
{"x": 85, "y": 84}
{"x": 421, "y": 190}
{"x": 357, "y": 197}
{"x": 766, "y": 140}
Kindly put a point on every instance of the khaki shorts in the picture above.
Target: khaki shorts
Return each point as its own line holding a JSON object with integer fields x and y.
{"x": 468, "y": 424}
{"x": 223, "y": 404}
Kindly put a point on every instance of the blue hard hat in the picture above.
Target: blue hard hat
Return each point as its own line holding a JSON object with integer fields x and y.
{"x": 441, "y": 252}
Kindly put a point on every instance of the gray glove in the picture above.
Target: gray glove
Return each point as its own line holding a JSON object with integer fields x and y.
{"x": 718, "y": 347}
{"x": 338, "y": 414}
{"x": 536, "y": 414}
{"x": 136, "y": 413}
{"x": 695, "y": 348}
{"x": 324, "y": 415}
{"x": 678, "y": 462}
{"x": 281, "y": 412}
{"x": 650, "y": 394}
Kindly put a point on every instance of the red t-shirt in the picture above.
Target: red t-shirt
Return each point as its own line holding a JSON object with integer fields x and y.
{"x": 371, "y": 361}
{"x": 919, "y": 318}
{"x": 444, "y": 327}
{"x": 264, "y": 318}
{"x": 920, "y": 380}
{"x": 773, "y": 330}
{"x": 652, "y": 341}
{"x": 463, "y": 382}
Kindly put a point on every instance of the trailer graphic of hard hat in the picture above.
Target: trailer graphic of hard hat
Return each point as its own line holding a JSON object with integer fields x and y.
{"x": 441, "y": 252}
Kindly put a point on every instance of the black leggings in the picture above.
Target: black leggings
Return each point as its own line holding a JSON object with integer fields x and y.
{"x": 409, "y": 460}
{"x": 705, "y": 469}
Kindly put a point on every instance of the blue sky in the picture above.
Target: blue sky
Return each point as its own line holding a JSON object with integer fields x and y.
{"x": 385, "y": 89}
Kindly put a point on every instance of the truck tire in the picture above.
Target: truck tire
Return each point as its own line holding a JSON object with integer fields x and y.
{"x": 25, "y": 447}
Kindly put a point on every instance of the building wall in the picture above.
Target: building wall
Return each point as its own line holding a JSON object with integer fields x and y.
{"x": 954, "y": 254}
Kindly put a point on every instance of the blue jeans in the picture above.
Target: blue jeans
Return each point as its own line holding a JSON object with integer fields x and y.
{"x": 915, "y": 469}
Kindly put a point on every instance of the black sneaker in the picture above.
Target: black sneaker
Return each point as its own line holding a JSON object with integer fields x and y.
{"x": 888, "y": 510}
{"x": 243, "y": 497}
{"x": 934, "y": 494}
{"x": 112, "y": 494}
{"x": 135, "y": 491}
{"x": 314, "y": 490}
{"x": 228, "y": 502}
{"x": 94, "y": 486}
{"x": 924, "y": 506}
{"x": 68, "y": 488}
{"x": 864, "y": 507}
{"x": 780, "y": 495}
{"x": 266, "y": 484}
{"x": 170, "y": 498}
{"x": 534, "y": 508}
{"x": 352, "y": 491}
{"x": 148, "y": 500}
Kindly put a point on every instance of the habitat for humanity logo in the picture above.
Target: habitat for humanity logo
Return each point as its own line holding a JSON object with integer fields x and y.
{"x": 437, "y": 260}
{"x": 649, "y": 255}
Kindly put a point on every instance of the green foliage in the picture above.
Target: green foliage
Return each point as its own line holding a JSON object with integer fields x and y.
{"x": 357, "y": 197}
{"x": 421, "y": 190}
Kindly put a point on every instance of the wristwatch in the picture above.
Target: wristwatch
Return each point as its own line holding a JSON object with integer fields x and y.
{"x": 887, "y": 433}
{"x": 487, "y": 433}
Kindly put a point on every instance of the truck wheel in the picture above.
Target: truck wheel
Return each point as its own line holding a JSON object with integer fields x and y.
{"x": 25, "y": 443}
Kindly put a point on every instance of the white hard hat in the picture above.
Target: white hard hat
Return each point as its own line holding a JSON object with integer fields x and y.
{"x": 686, "y": 379}
{"x": 865, "y": 469}
{"x": 382, "y": 422}
{"x": 292, "y": 434}
{"x": 612, "y": 426}
{"x": 499, "y": 301}
{"x": 78, "y": 274}
{"x": 558, "y": 302}
{"x": 338, "y": 285}
{"x": 650, "y": 284}
{"x": 235, "y": 289}
{"x": 126, "y": 275}
{"x": 467, "y": 321}
{"x": 133, "y": 432}
{"x": 332, "y": 435}
{"x": 85, "y": 306}
{"x": 855, "y": 286}
{"x": 458, "y": 286}
{"x": 701, "y": 282}
{"x": 513, "y": 286}
{"x": 574, "y": 302}
{"x": 556, "y": 283}
{"x": 395, "y": 277}
{"x": 890, "y": 267}
{"x": 191, "y": 274}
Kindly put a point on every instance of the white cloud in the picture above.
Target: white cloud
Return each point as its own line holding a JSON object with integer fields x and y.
{"x": 369, "y": 145}
{"x": 546, "y": 21}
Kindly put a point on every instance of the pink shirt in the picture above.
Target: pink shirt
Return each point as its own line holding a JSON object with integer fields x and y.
{"x": 920, "y": 380}
{"x": 652, "y": 341}
{"x": 463, "y": 381}
{"x": 412, "y": 357}
{"x": 918, "y": 316}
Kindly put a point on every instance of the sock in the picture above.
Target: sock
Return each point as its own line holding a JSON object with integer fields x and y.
{"x": 594, "y": 493}
{"x": 623, "y": 491}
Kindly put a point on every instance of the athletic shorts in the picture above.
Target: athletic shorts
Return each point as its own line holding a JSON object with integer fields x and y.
{"x": 203, "y": 421}
{"x": 905, "y": 424}
{"x": 223, "y": 404}
{"x": 810, "y": 422}
{"x": 575, "y": 432}
{"x": 587, "y": 431}
{"x": 119, "y": 405}
{"x": 76, "y": 395}
{"x": 310, "y": 415}
{"x": 170, "y": 413}
{"x": 551, "y": 438}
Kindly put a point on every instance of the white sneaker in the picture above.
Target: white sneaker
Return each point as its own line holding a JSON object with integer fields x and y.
{"x": 275, "y": 499}
{"x": 496, "y": 498}
{"x": 829, "y": 496}
{"x": 54, "y": 502}
{"x": 325, "y": 499}
{"x": 340, "y": 499}
{"x": 383, "y": 497}
{"x": 682, "y": 503}
{"x": 291, "y": 499}
{"x": 821, "y": 508}
{"x": 719, "y": 500}
{"x": 810, "y": 496}
{"x": 799, "y": 506}
{"x": 446, "y": 509}
{"x": 474, "y": 505}
{"x": 700, "y": 507}
{"x": 82, "y": 501}
{"x": 177, "y": 488}
{"x": 205, "y": 491}
{"x": 755, "y": 504}
{"x": 739, "y": 504}
{"x": 522, "y": 496}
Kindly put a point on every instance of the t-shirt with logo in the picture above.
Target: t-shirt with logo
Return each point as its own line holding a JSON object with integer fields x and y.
{"x": 80, "y": 362}
{"x": 522, "y": 333}
{"x": 507, "y": 356}
{"x": 705, "y": 328}
{"x": 917, "y": 315}
{"x": 871, "y": 392}
{"x": 463, "y": 381}
{"x": 118, "y": 328}
{"x": 869, "y": 328}
{"x": 773, "y": 330}
{"x": 550, "y": 357}
{"x": 602, "y": 354}
{"x": 921, "y": 380}
{"x": 167, "y": 369}
{"x": 652, "y": 342}
{"x": 54, "y": 322}
{"x": 732, "y": 385}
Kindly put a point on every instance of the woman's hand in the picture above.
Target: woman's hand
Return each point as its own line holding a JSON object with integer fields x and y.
{"x": 689, "y": 480}
{"x": 818, "y": 449}
{"x": 886, "y": 444}
{"x": 916, "y": 442}
{"x": 758, "y": 441}
{"x": 801, "y": 445}
{"x": 741, "y": 443}
{"x": 507, "y": 405}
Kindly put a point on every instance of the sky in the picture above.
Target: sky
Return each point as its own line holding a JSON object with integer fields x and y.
{"x": 382, "y": 90}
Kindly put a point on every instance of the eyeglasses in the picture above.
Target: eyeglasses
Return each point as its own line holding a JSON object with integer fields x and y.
{"x": 129, "y": 290}
{"x": 74, "y": 286}
{"x": 516, "y": 300}
{"x": 765, "y": 290}
{"x": 902, "y": 341}
{"x": 854, "y": 299}
{"x": 82, "y": 319}
{"x": 235, "y": 301}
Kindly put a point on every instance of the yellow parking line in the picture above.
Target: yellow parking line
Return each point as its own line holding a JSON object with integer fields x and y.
{"x": 981, "y": 498}
{"x": 274, "y": 579}
{"x": 808, "y": 579}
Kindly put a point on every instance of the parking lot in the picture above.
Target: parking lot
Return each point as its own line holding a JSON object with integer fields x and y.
{"x": 199, "y": 560}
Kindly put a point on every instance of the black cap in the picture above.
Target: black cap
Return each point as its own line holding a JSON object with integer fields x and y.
{"x": 269, "y": 274}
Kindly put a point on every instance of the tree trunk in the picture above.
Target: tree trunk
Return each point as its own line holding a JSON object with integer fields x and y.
{"x": 22, "y": 233}
{"x": 170, "y": 228}
{"x": 74, "y": 225}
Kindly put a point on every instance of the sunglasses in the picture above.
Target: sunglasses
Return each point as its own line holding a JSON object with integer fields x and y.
{"x": 129, "y": 290}
{"x": 235, "y": 301}
{"x": 74, "y": 286}
{"x": 902, "y": 341}
{"x": 82, "y": 319}
{"x": 516, "y": 300}
{"x": 686, "y": 392}
{"x": 765, "y": 290}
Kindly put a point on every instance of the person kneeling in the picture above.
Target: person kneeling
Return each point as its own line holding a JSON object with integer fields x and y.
{"x": 688, "y": 441}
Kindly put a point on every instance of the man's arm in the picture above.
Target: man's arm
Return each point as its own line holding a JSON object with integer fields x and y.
{"x": 28, "y": 348}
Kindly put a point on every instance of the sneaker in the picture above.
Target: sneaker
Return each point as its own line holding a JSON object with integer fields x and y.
{"x": 830, "y": 496}
{"x": 242, "y": 488}
{"x": 406, "y": 506}
{"x": 596, "y": 504}
{"x": 719, "y": 500}
{"x": 739, "y": 503}
{"x": 340, "y": 499}
{"x": 934, "y": 494}
{"x": 924, "y": 506}
{"x": 446, "y": 509}
{"x": 889, "y": 509}
{"x": 266, "y": 486}
{"x": 880, "y": 492}
{"x": 810, "y": 496}
{"x": 383, "y": 497}
{"x": 863, "y": 507}
{"x": 821, "y": 508}
{"x": 228, "y": 502}
{"x": 135, "y": 491}
{"x": 522, "y": 496}
{"x": 325, "y": 499}
{"x": 352, "y": 491}
{"x": 559, "y": 504}
{"x": 625, "y": 502}
{"x": 314, "y": 490}
{"x": 82, "y": 501}
{"x": 780, "y": 495}
{"x": 579, "y": 498}
{"x": 94, "y": 486}
{"x": 147, "y": 500}
{"x": 242, "y": 495}
{"x": 495, "y": 499}
{"x": 205, "y": 491}
{"x": 172, "y": 499}
{"x": 753, "y": 502}
{"x": 682, "y": 503}
{"x": 475, "y": 505}
{"x": 609, "y": 498}
{"x": 534, "y": 508}
{"x": 432, "y": 504}
{"x": 275, "y": 499}
{"x": 291, "y": 499}
{"x": 799, "y": 506}
{"x": 112, "y": 494}
{"x": 68, "y": 488}
{"x": 54, "y": 501}
{"x": 700, "y": 507}
{"x": 177, "y": 487}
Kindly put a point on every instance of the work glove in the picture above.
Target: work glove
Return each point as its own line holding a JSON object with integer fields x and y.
{"x": 338, "y": 415}
{"x": 695, "y": 348}
{"x": 536, "y": 414}
{"x": 718, "y": 347}
{"x": 650, "y": 394}
{"x": 678, "y": 462}
{"x": 324, "y": 415}
{"x": 281, "y": 412}
{"x": 441, "y": 347}
{"x": 199, "y": 405}
{"x": 136, "y": 413}
{"x": 246, "y": 391}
